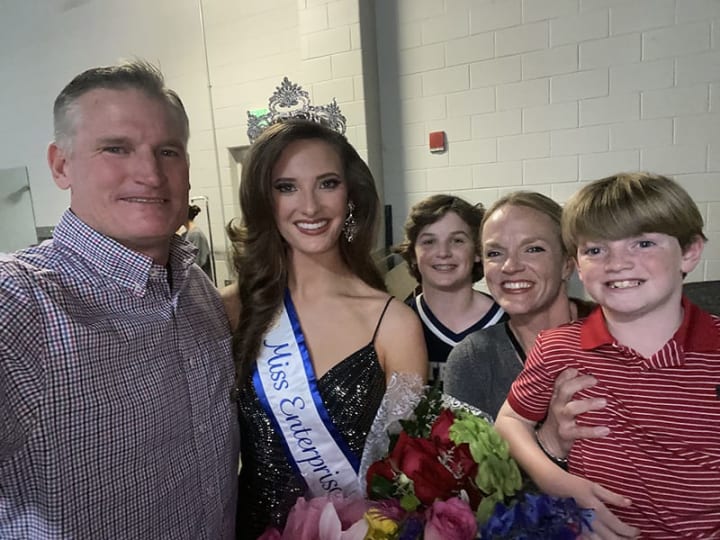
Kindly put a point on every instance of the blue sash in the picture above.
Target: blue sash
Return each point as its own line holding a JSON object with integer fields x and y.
{"x": 286, "y": 386}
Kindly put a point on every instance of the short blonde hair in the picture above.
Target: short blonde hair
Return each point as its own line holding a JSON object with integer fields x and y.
{"x": 628, "y": 204}
{"x": 533, "y": 200}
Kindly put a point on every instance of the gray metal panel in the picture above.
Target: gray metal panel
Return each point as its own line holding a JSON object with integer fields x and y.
{"x": 17, "y": 219}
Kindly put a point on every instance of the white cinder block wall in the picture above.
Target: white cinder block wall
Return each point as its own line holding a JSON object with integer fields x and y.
{"x": 253, "y": 44}
{"x": 222, "y": 63}
{"x": 547, "y": 94}
{"x": 532, "y": 94}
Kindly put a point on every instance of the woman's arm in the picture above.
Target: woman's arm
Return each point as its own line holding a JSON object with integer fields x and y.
{"x": 231, "y": 300}
{"x": 400, "y": 343}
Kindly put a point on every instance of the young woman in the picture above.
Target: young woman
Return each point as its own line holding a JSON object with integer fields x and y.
{"x": 442, "y": 249}
{"x": 316, "y": 336}
{"x": 526, "y": 271}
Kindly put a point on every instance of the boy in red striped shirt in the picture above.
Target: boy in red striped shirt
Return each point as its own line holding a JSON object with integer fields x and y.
{"x": 656, "y": 358}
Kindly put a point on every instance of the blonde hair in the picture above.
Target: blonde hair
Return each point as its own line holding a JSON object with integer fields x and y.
{"x": 533, "y": 200}
{"x": 628, "y": 204}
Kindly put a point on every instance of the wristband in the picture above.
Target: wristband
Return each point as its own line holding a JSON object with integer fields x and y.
{"x": 560, "y": 462}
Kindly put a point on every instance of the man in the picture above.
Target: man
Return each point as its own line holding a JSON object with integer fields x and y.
{"x": 115, "y": 364}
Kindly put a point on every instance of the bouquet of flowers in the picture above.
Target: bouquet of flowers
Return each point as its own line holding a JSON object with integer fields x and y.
{"x": 449, "y": 456}
{"x": 447, "y": 475}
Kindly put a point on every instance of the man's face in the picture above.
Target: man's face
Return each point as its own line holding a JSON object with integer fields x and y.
{"x": 126, "y": 168}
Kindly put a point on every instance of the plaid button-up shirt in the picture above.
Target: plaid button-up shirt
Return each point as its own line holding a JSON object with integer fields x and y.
{"x": 115, "y": 411}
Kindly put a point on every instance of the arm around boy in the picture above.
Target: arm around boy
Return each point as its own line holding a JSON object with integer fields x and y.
{"x": 655, "y": 357}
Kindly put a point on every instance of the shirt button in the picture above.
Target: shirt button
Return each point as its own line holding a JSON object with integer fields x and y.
{"x": 192, "y": 363}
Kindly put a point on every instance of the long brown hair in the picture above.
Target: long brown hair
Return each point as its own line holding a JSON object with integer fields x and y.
{"x": 260, "y": 254}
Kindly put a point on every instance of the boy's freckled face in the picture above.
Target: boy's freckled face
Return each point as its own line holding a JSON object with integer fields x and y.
{"x": 635, "y": 276}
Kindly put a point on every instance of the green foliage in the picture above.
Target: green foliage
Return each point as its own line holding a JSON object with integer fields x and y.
{"x": 409, "y": 502}
{"x": 425, "y": 413}
{"x": 381, "y": 488}
{"x": 498, "y": 475}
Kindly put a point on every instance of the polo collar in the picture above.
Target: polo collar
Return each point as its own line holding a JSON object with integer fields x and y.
{"x": 697, "y": 333}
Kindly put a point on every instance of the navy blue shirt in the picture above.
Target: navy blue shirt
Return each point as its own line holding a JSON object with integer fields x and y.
{"x": 440, "y": 340}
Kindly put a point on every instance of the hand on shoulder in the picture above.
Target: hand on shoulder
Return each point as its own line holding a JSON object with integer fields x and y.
{"x": 560, "y": 430}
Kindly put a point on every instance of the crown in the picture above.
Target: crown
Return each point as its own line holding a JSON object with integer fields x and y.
{"x": 290, "y": 101}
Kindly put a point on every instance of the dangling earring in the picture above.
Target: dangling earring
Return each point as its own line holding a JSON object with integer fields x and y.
{"x": 350, "y": 226}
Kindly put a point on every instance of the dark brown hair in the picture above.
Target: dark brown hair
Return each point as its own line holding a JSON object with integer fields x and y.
{"x": 430, "y": 210}
{"x": 259, "y": 252}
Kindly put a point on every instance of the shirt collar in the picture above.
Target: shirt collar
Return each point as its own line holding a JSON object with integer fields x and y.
{"x": 697, "y": 332}
{"x": 113, "y": 260}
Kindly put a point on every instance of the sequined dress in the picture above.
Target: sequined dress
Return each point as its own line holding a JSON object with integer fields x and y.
{"x": 352, "y": 391}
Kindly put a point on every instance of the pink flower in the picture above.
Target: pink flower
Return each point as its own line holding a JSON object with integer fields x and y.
{"x": 326, "y": 518}
{"x": 303, "y": 520}
{"x": 331, "y": 527}
{"x": 450, "y": 520}
{"x": 271, "y": 533}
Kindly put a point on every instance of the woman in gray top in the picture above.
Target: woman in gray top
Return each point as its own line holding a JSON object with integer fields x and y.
{"x": 526, "y": 270}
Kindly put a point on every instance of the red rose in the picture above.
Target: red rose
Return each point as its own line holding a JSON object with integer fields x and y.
{"x": 459, "y": 459}
{"x": 440, "y": 430}
{"x": 438, "y": 468}
{"x": 418, "y": 459}
{"x": 381, "y": 468}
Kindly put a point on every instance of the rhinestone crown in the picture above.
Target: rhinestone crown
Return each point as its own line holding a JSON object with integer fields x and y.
{"x": 290, "y": 101}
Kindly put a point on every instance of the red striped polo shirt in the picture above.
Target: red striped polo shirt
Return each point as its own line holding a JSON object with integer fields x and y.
{"x": 663, "y": 450}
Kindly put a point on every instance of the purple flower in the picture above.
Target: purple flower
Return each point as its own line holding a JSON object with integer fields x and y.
{"x": 412, "y": 528}
{"x": 537, "y": 517}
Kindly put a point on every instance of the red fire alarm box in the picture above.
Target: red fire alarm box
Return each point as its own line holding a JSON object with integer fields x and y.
{"x": 437, "y": 141}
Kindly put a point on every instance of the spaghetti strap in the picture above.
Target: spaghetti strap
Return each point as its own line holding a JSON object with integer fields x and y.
{"x": 381, "y": 318}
